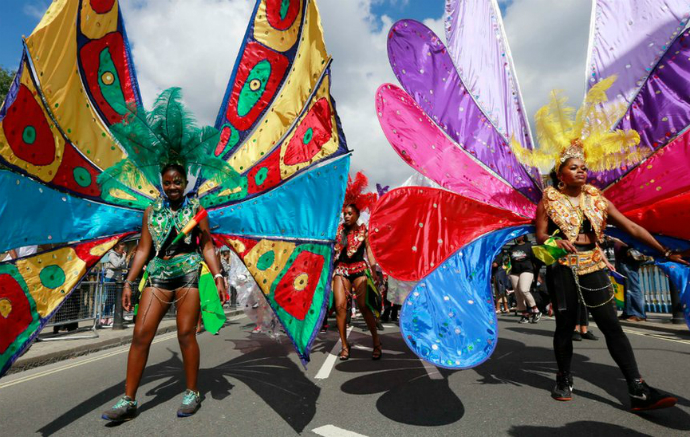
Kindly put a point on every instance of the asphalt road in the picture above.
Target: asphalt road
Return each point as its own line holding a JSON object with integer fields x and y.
{"x": 255, "y": 386}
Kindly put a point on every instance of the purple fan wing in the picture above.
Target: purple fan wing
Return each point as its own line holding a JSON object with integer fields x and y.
{"x": 479, "y": 48}
{"x": 660, "y": 113}
{"x": 629, "y": 38}
{"x": 644, "y": 44}
{"x": 424, "y": 146}
{"x": 421, "y": 63}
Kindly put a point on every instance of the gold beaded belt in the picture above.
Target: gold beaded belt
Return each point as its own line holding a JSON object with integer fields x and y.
{"x": 584, "y": 262}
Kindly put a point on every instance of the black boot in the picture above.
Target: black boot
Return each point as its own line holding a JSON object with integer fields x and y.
{"x": 644, "y": 397}
{"x": 563, "y": 391}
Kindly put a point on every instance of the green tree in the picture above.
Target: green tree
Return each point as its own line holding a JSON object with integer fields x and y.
{"x": 6, "y": 77}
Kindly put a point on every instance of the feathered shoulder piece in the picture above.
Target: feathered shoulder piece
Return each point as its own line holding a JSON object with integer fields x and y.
{"x": 586, "y": 134}
{"x": 354, "y": 193}
{"x": 168, "y": 134}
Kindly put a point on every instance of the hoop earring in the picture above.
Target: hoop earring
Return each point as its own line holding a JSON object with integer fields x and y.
{"x": 561, "y": 185}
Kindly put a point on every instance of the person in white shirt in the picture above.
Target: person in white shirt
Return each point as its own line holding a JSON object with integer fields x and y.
{"x": 114, "y": 262}
{"x": 20, "y": 252}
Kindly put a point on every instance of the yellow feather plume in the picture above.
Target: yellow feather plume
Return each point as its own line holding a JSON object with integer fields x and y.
{"x": 603, "y": 148}
{"x": 534, "y": 158}
{"x": 591, "y": 110}
{"x": 549, "y": 133}
{"x": 561, "y": 113}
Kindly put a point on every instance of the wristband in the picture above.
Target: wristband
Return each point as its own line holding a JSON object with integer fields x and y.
{"x": 668, "y": 253}
{"x": 217, "y": 275}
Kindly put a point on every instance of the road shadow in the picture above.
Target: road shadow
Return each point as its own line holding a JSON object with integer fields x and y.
{"x": 171, "y": 385}
{"x": 537, "y": 368}
{"x": 264, "y": 366}
{"x": 575, "y": 429}
{"x": 408, "y": 395}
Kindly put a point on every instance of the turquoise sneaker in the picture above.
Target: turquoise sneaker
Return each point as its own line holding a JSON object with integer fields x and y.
{"x": 191, "y": 402}
{"x": 125, "y": 409}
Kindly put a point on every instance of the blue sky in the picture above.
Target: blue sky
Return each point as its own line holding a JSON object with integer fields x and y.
{"x": 418, "y": 9}
{"x": 19, "y": 17}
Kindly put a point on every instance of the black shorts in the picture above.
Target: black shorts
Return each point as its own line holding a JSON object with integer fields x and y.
{"x": 352, "y": 276}
{"x": 190, "y": 280}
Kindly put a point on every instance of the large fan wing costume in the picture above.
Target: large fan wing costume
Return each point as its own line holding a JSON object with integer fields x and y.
{"x": 277, "y": 128}
{"x": 454, "y": 122}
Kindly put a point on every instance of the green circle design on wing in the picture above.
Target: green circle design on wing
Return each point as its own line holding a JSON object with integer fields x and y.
{"x": 261, "y": 176}
{"x": 253, "y": 87}
{"x": 29, "y": 135}
{"x": 266, "y": 260}
{"x": 109, "y": 83}
{"x": 82, "y": 176}
{"x": 308, "y": 136}
{"x": 52, "y": 276}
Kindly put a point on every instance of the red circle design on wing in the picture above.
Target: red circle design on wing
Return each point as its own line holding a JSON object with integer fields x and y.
{"x": 273, "y": 8}
{"x": 25, "y": 120}
{"x": 297, "y": 302}
{"x": 102, "y": 6}
{"x": 19, "y": 317}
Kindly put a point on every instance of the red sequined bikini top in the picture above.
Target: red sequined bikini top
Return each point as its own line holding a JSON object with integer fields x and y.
{"x": 354, "y": 240}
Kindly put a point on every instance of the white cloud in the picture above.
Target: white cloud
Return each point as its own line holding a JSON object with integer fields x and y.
{"x": 437, "y": 26}
{"x": 360, "y": 66}
{"x": 548, "y": 41}
{"x": 35, "y": 8}
{"x": 187, "y": 43}
{"x": 194, "y": 43}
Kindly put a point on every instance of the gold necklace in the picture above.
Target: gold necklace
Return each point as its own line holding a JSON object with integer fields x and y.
{"x": 577, "y": 209}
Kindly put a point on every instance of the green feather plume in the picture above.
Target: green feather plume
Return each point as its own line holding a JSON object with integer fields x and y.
{"x": 168, "y": 134}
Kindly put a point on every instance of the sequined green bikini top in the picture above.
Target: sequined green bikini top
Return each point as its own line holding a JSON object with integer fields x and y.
{"x": 162, "y": 219}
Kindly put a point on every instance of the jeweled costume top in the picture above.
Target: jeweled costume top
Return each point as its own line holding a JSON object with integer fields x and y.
{"x": 569, "y": 220}
{"x": 350, "y": 250}
{"x": 164, "y": 224}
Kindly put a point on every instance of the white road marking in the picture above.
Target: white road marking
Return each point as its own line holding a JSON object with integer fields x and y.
{"x": 361, "y": 347}
{"x": 660, "y": 336}
{"x": 431, "y": 370}
{"x": 325, "y": 370}
{"x": 334, "y": 431}
{"x": 667, "y": 336}
{"x": 87, "y": 359}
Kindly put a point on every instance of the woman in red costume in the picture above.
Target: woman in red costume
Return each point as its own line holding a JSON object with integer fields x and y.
{"x": 353, "y": 259}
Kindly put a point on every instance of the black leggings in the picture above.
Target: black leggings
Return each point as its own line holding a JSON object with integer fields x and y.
{"x": 582, "y": 317}
{"x": 605, "y": 317}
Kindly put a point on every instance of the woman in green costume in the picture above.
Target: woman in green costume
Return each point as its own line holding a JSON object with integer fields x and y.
{"x": 167, "y": 142}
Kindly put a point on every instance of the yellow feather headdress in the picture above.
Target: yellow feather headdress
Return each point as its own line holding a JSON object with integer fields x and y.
{"x": 588, "y": 136}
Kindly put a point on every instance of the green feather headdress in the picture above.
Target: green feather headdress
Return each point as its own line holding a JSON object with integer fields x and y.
{"x": 168, "y": 134}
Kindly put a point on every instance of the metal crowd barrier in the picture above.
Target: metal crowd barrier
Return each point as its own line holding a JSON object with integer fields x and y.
{"x": 656, "y": 290}
{"x": 80, "y": 306}
{"x": 92, "y": 301}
